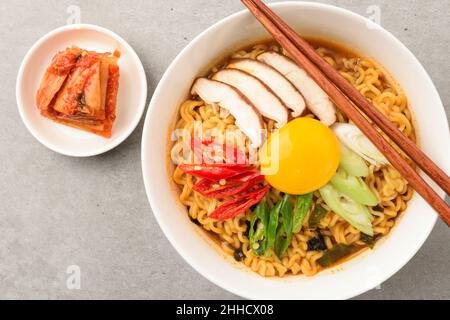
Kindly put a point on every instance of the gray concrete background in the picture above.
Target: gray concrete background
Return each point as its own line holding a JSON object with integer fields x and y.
{"x": 56, "y": 211}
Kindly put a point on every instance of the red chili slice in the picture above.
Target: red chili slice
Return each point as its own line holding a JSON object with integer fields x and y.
{"x": 230, "y": 154}
{"x": 234, "y": 155}
{"x": 215, "y": 171}
{"x": 232, "y": 186}
{"x": 207, "y": 142}
{"x": 232, "y": 208}
{"x": 196, "y": 147}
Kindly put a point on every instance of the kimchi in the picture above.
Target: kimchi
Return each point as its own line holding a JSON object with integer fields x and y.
{"x": 79, "y": 89}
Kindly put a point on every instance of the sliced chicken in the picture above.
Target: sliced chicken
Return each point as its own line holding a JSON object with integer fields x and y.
{"x": 288, "y": 94}
{"x": 247, "y": 117}
{"x": 267, "y": 103}
{"x": 316, "y": 99}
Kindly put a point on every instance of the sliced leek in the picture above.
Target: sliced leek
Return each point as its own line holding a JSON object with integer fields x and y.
{"x": 354, "y": 187}
{"x": 354, "y": 213}
{"x": 354, "y": 139}
{"x": 352, "y": 163}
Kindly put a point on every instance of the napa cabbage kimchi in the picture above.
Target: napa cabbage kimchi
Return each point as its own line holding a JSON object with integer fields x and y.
{"x": 79, "y": 89}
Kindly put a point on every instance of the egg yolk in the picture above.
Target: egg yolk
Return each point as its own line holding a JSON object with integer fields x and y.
{"x": 300, "y": 157}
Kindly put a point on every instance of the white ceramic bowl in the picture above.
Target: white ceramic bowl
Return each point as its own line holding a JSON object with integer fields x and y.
{"x": 131, "y": 98}
{"x": 346, "y": 280}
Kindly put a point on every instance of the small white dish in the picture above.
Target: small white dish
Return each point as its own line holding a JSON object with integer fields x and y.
{"x": 131, "y": 97}
{"x": 356, "y": 275}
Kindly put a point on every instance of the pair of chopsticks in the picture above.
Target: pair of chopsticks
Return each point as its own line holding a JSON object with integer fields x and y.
{"x": 342, "y": 93}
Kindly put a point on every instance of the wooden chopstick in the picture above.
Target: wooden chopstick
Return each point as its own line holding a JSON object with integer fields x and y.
{"x": 408, "y": 146}
{"x": 344, "y": 105}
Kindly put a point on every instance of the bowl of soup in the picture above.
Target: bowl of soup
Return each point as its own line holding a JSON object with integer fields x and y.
{"x": 255, "y": 176}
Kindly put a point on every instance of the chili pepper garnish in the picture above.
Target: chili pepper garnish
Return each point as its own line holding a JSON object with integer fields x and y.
{"x": 234, "y": 207}
{"x": 301, "y": 208}
{"x": 272, "y": 227}
{"x": 230, "y": 154}
{"x": 215, "y": 171}
{"x": 258, "y": 228}
{"x": 284, "y": 232}
{"x": 228, "y": 187}
{"x": 196, "y": 147}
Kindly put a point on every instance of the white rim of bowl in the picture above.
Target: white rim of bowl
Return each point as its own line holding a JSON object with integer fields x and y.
{"x": 151, "y": 112}
{"x": 41, "y": 41}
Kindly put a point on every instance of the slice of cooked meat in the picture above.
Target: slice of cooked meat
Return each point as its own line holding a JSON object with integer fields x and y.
{"x": 316, "y": 99}
{"x": 285, "y": 90}
{"x": 247, "y": 117}
{"x": 260, "y": 95}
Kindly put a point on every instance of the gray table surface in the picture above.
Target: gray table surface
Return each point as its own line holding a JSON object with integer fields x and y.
{"x": 57, "y": 211}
